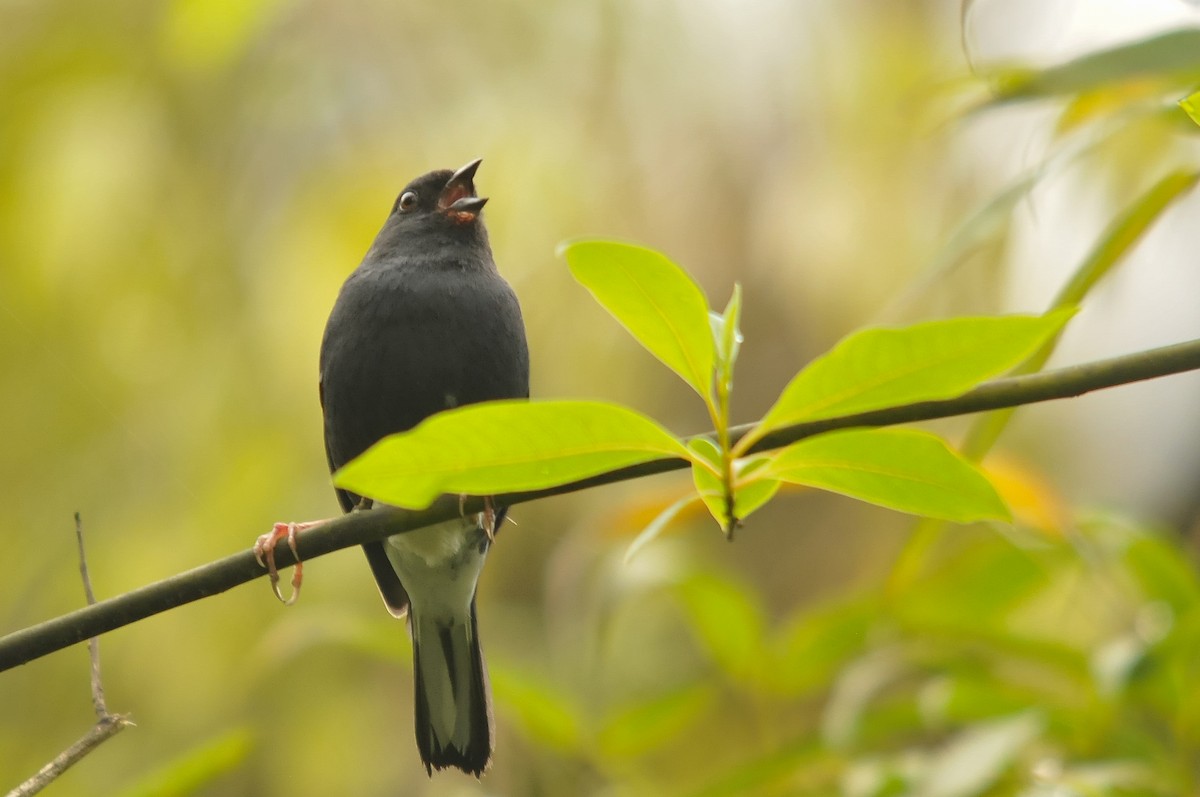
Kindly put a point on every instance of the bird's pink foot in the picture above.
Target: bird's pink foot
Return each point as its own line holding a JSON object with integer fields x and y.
{"x": 489, "y": 518}
{"x": 264, "y": 552}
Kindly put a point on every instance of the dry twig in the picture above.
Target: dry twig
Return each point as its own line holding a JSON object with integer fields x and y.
{"x": 107, "y": 724}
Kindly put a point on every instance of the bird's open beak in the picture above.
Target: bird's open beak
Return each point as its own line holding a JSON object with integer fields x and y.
{"x": 458, "y": 199}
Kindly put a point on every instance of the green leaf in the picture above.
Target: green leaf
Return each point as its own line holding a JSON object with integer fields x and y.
{"x": 1163, "y": 572}
{"x": 857, "y": 687}
{"x": 727, "y": 332}
{"x": 776, "y": 768}
{"x": 1124, "y": 232}
{"x": 1121, "y": 236}
{"x": 885, "y": 367}
{"x": 709, "y": 485}
{"x": 751, "y": 490}
{"x": 985, "y": 227}
{"x": 753, "y": 495}
{"x": 505, "y": 446}
{"x": 654, "y": 299}
{"x": 196, "y": 770}
{"x": 729, "y": 621}
{"x": 814, "y": 643}
{"x": 542, "y": 713}
{"x": 1175, "y": 55}
{"x": 656, "y": 526}
{"x": 973, "y": 593}
{"x": 901, "y": 469}
{"x": 1191, "y": 106}
{"x": 706, "y": 451}
{"x": 973, "y": 760}
{"x": 636, "y": 729}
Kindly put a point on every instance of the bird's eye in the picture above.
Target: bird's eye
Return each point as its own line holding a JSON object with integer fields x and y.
{"x": 407, "y": 201}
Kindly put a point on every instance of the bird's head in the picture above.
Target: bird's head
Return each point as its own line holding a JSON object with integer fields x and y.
{"x": 433, "y": 217}
{"x": 442, "y": 197}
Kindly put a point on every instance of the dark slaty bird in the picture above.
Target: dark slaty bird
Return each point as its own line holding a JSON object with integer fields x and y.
{"x": 424, "y": 324}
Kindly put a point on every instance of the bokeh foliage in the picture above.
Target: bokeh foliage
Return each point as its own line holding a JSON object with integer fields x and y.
{"x": 184, "y": 185}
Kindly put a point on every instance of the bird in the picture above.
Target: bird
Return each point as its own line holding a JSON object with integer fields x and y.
{"x": 426, "y": 323}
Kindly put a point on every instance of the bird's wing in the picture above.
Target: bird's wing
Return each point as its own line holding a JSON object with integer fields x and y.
{"x": 390, "y": 589}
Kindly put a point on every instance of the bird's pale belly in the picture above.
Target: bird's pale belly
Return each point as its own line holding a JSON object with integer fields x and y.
{"x": 439, "y": 565}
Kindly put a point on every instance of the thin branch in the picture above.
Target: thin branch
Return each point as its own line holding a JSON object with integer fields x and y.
{"x": 102, "y": 730}
{"x": 98, "y": 702}
{"x": 356, "y": 528}
{"x": 107, "y": 725}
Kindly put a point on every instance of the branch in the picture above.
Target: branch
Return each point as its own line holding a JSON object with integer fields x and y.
{"x": 107, "y": 724}
{"x": 356, "y": 528}
{"x": 103, "y": 730}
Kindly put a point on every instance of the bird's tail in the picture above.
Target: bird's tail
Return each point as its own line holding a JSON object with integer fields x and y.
{"x": 453, "y": 704}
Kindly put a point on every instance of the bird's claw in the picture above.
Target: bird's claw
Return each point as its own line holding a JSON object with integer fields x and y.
{"x": 487, "y": 516}
{"x": 264, "y": 552}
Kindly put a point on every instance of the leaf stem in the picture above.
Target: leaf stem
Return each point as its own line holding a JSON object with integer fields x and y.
{"x": 724, "y": 385}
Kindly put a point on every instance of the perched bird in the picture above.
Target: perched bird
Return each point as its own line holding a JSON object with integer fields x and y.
{"x": 426, "y": 323}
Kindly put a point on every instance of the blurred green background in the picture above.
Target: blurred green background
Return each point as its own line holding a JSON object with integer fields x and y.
{"x": 185, "y": 184}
